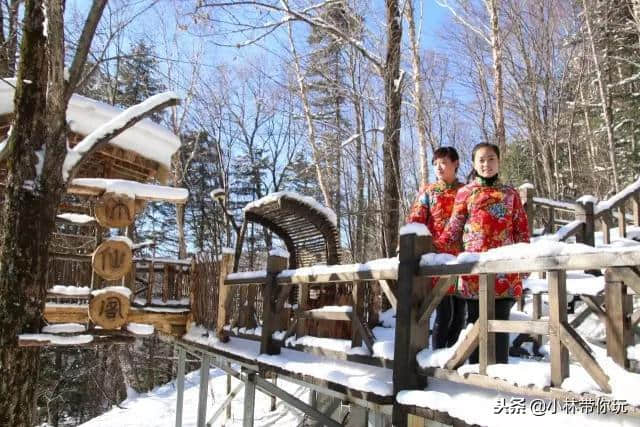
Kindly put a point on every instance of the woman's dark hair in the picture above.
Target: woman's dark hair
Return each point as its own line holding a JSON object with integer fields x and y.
{"x": 473, "y": 174}
{"x": 448, "y": 152}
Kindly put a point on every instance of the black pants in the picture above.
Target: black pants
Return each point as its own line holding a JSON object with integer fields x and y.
{"x": 450, "y": 315}
{"x": 503, "y": 308}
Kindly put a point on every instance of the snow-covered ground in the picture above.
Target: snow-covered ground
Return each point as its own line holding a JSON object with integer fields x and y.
{"x": 158, "y": 407}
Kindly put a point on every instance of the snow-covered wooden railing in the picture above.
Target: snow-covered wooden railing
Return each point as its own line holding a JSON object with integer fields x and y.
{"x": 416, "y": 302}
{"x": 276, "y": 283}
{"x": 586, "y": 212}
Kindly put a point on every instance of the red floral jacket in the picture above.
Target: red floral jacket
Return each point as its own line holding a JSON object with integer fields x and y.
{"x": 433, "y": 207}
{"x": 486, "y": 217}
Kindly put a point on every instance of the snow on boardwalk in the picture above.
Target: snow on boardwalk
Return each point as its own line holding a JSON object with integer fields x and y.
{"x": 496, "y": 409}
{"x": 158, "y": 407}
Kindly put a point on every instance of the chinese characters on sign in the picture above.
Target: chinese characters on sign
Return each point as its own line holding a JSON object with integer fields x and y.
{"x": 539, "y": 407}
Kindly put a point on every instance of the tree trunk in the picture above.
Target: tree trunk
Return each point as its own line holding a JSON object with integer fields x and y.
{"x": 391, "y": 144}
{"x": 496, "y": 50}
{"x": 417, "y": 95}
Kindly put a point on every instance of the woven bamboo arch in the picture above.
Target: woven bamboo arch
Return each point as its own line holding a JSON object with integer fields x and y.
{"x": 310, "y": 236}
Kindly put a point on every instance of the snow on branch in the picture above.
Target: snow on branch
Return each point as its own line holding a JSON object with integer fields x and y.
{"x": 114, "y": 127}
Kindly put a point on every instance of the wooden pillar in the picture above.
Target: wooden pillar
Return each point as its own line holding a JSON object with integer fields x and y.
{"x": 557, "y": 317}
{"x": 537, "y": 314}
{"x": 165, "y": 283}
{"x": 527, "y": 192}
{"x": 552, "y": 220}
{"x": 303, "y": 306}
{"x": 584, "y": 213}
{"x": 635, "y": 205}
{"x": 487, "y": 311}
{"x": 606, "y": 228}
{"x": 203, "y": 391}
{"x": 275, "y": 264}
{"x": 619, "y": 307}
{"x": 273, "y": 398}
{"x": 357, "y": 304}
{"x": 151, "y": 278}
{"x": 622, "y": 222}
{"x": 225, "y": 267}
{"x": 411, "y": 336}
{"x": 180, "y": 385}
{"x": 96, "y": 280}
{"x": 249, "y": 400}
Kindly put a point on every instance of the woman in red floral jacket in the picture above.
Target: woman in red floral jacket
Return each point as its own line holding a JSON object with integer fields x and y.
{"x": 487, "y": 214}
{"x": 433, "y": 207}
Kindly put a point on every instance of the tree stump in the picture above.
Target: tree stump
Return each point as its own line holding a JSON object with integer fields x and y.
{"x": 112, "y": 259}
{"x": 109, "y": 310}
{"x": 115, "y": 210}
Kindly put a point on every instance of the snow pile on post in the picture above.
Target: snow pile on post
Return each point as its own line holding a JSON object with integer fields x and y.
{"x": 57, "y": 339}
{"x": 309, "y": 201}
{"x": 279, "y": 252}
{"x": 415, "y": 228}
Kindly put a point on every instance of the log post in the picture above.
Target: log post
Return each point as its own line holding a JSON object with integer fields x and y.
{"x": 635, "y": 204}
{"x": 249, "y": 399}
{"x": 558, "y": 317}
{"x": 552, "y": 220}
{"x": 302, "y": 325}
{"x": 275, "y": 264}
{"x": 537, "y": 314}
{"x": 225, "y": 267}
{"x": 357, "y": 304}
{"x": 96, "y": 280}
{"x": 618, "y": 309}
{"x": 411, "y": 336}
{"x": 606, "y": 228}
{"x": 151, "y": 278}
{"x": 487, "y": 312}
{"x": 527, "y": 192}
{"x": 165, "y": 283}
{"x": 180, "y": 385}
{"x": 622, "y": 222}
{"x": 584, "y": 213}
{"x": 203, "y": 390}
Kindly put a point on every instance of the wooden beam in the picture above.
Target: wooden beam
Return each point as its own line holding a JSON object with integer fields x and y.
{"x": 582, "y": 353}
{"x": 295, "y": 402}
{"x": 249, "y": 399}
{"x": 629, "y": 275}
{"x": 203, "y": 390}
{"x": 619, "y": 308}
{"x": 357, "y": 312}
{"x": 363, "y": 331}
{"x": 224, "y": 293}
{"x": 466, "y": 347}
{"x": 437, "y": 294}
{"x": 538, "y": 327}
{"x": 389, "y": 292}
{"x": 487, "y": 311}
{"x": 594, "y": 305}
{"x": 226, "y": 403}
{"x": 557, "y": 317}
{"x": 182, "y": 354}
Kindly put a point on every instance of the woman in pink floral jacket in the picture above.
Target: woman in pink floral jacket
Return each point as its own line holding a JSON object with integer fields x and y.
{"x": 487, "y": 214}
{"x": 433, "y": 207}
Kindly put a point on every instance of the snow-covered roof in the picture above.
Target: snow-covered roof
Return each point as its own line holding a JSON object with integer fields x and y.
{"x": 84, "y": 115}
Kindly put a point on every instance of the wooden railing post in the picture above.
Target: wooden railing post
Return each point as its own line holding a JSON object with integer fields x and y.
{"x": 619, "y": 308}
{"x": 357, "y": 311}
{"x": 411, "y": 336}
{"x": 622, "y": 222}
{"x": 275, "y": 264}
{"x": 635, "y": 206}
{"x": 605, "y": 222}
{"x": 151, "y": 277}
{"x": 224, "y": 292}
{"x": 527, "y": 192}
{"x": 487, "y": 312}
{"x": 585, "y": 214}
{"x": 557, "y": 317}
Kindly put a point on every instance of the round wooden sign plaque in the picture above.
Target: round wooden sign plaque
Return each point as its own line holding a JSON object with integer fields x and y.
{"x": 115, "y": 210}
{"x": 109, "y": 310}
{"x": 112, "y": 259}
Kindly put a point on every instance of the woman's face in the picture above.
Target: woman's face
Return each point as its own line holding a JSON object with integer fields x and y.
{"x": 486, "y": 162}
{"x": 445, "y": 169}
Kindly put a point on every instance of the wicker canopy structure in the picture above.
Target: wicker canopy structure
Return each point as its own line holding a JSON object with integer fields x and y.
{"x": 308, "y": 229}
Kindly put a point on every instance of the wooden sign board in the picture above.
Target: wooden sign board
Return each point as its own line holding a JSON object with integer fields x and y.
{"x": 109, "y": 310}
{"x": 112, "y": 259}
{"x": 115, "y": 210}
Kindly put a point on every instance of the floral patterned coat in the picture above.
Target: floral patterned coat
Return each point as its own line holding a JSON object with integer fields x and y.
{"x": 486, "y": 217}
{"x": 433, "y": 207}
